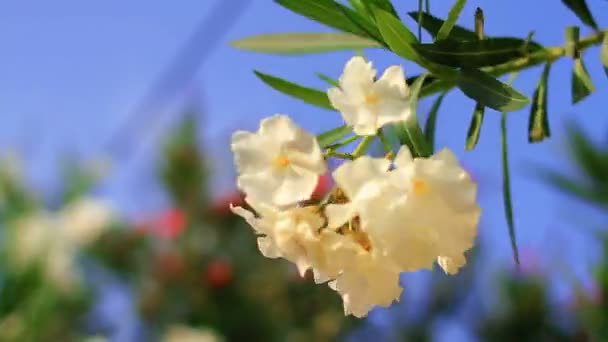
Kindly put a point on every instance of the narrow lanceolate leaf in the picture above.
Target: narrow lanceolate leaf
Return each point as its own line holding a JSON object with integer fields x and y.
{"x": 365, "y": 25}
{"x": 384, "y": 5}
{"x": 419, "y": 19}
{"x": 303, "y": 43}
{"x": 589, "y": 158}
{"x": 326, "y": 139}
{"x": 360, "y": 6}
{"x": 604, "y": 53}
{"x": 473, "y": 53}
{"x": 432, "y": 24}
{"x": 329, "y": 80}
{"x": 409, "y": 132}
{"x": 582, "y": 86}
{"x": 538, "y": 127}
{"x": 572, "y": 34}
{"x": 398, "y": 37}
{"x": 573, "y": 187}
{"x": 309, "y": 95}
{"x": 490, "y": 92}
{"x": 446, "y": 27}
{"x": 506, "y": 187}
{"x": 431, "y": 122}
{"x": 580, "y": 8}
{"x": 475, "y": 127}
{"x": 327, "y": 12}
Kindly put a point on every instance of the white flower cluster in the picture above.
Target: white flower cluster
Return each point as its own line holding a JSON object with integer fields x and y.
{"x": 52, "y": 240}
{"x": 384, "y": 217}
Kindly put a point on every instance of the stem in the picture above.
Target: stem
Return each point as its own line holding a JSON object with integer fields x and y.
{"x": 363, "y": 146}
{"x": 385, "y": 143}
{"x": 546, "y": 55}
{"x": 343, "y": 142}
{"x": 543, "y": 56}
{"x": 339, "y": 155}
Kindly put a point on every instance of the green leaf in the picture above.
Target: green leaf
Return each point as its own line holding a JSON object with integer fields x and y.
{"x": 409, "y": 132}
{"x": 573, "y": 187}
{"x": 475, "y": 127}
{"x": 327, "y": 12}
{"x": 419, "y": 19}
{"x": 589, "y": 159}
{"x": 506, "y": 186}
{"x": 438, "y": 85}
{"x": 579, "y": 7}
{"x": 360, "y": 6}
{"x": 427, "y": 80}
{"x": 473, "y": 53}
{"x": 490, "y": 92}
{"x": 309, "y": 95}
{"x": 384, "y": 5}
{"x": 329, "y": 80}
{"x": 432, "y": 25}
{"x": 604, "y": 53}
{"x": 446, "y": 27}
{"x": 431, "y": 122}
{"x": 303, "y": 43}
{"x": 582, "y": 86}
{"x": 326, "y": 139}
{"x": 398, "y": 37}
{"x": 367, "y": 27}
{"x": 538, "y": 127}
{"x": 479, "y": 24}
{"x": 572, "y": 34}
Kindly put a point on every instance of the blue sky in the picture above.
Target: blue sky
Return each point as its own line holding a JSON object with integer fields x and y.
{"x": 71, "y": 71}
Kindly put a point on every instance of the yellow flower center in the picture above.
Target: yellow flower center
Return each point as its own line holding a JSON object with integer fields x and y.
{"x": 281, "y": 161}
{"x": 372, "y": 98}
{"x": 419, "y": 186}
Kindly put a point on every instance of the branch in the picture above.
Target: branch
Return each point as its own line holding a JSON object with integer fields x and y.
{"x": 545, "y": 55}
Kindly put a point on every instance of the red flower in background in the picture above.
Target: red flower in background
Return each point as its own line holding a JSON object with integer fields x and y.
{"x": 221, "y": 206}
{"x": 168, "y": 225}
{"x": 219, "y": 273}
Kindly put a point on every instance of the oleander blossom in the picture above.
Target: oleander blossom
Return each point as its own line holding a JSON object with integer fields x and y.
{"x": 367, "y": 104}
{"x": 382, "y": 217}
{"x": 292, "y": 234}
{"x": 442, "y": 214}
{"x": 279, "y": 164}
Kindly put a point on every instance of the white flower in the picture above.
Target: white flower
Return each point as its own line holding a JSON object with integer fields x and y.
{"x": 423, "y": 211}
{"x": 52, "y": 240}
{"x": 372, "y": 197}
{"x": 83, "y": 221}
{"x": 182, "y": 333}
{"x": 39, "y": 241}
{"x": 363, "y": 181}
{"x": 367, "y": 104}
{"x": 31, "y": 238}
{"x": 280, "y": 164}
{"x": 438, "y": 218}
{"x": 368, "y": 279}
{"x": 292, "y": 234}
